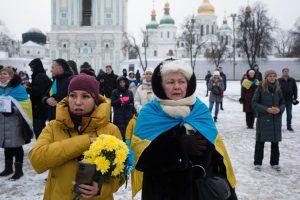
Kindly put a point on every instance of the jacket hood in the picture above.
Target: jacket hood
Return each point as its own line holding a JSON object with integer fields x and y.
{"x": 126, "y": 81}
{"x": 15, "y": 81}
{"x": 98, "y": 118}
{"x": 158, "y": 88}
{"x": 37, "y": 66}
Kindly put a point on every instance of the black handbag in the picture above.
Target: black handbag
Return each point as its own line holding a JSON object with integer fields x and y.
{"x": 209, "y": 187}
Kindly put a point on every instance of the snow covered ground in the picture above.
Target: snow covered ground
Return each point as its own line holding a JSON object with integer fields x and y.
{"x": 252, "y": 185}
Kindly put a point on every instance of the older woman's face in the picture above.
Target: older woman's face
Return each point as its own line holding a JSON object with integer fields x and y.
{"x": 251, "y": 73}
{"x": 4, "y": 76}
{"x": 175, "y": 85}
{"x": 272, "y": 78}
{"x": 81, "y": 102}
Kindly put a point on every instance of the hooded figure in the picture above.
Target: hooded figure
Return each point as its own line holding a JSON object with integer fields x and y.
{"x": 176, "y": 141}
{"x": 38, "y": 88}
{"x": 133, "y": 83}
{"x": 122, "y": 102}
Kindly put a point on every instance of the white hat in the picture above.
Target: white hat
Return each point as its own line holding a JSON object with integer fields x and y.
{"x": 177, "y": 65}
{"x": 216, "y": 73}
{"x": 149, "y": 69}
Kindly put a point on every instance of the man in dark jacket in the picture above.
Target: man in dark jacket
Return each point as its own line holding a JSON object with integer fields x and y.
{"x": 39, "y": 86}
{"x": 207, "y": 78}
{"x": 290, "y": 92}
{"x": 223, "y": 76}
{"x": 258, "y": 74}
{"x": 59, "y": 89}
{"x": 110, "y": 81}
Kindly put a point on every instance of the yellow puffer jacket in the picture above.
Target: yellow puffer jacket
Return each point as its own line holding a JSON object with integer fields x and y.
{"x": 59, "y": 146}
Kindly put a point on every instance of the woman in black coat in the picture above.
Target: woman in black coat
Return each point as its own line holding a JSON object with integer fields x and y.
{"x": 38, "y": 87}
{"x": 249, "y": 86}
{"x": 176, "y": 141}
{"x": 123, "y": 104}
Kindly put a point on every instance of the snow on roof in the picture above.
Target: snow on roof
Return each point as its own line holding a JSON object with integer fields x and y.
{"x": 34, "y": 30}
{"x": 31, "y": 44}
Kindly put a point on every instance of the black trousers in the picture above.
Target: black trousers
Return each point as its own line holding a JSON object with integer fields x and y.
{"x": 259, "y": 153}
{"x": 38, "y": 126}
{"x": 250, "y": 117}
{"x": 16, "y": 152}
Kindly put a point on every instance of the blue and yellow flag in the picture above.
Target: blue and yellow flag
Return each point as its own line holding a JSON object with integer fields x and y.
{"x": 153, "y": 121}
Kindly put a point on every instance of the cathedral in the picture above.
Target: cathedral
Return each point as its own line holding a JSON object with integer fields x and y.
{"x": 164, "y": 41}
{"x": 88, "y": 31}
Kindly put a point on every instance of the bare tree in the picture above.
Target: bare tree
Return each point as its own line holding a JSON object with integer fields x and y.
{"x": 193, "y": 43}
{"x": 283, "y": 42}
{"x": 131, "y": 46}
{"x": 296, "y": 42}
{"x": 217, "y": 53}
{"x": 254, "y": 31}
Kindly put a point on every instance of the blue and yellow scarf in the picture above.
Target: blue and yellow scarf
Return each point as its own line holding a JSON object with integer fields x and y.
{"x": 153, "y": 121}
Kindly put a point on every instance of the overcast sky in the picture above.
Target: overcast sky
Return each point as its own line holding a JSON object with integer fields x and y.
{"x": 21, "y": 15}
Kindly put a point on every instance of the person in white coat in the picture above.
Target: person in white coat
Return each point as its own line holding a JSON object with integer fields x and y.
{"x": 144, "y": 92}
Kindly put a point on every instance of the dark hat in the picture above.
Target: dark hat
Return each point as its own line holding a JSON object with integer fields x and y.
{"x": 269, "y": 72}
{"x": 86, "y": 83}
{"x": 63, "y": 63}
{"x": 157, "y": 82}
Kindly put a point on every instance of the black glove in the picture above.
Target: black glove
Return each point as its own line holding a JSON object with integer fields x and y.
{"x": 241, "y": 100}
{"x": 195, "y": 145}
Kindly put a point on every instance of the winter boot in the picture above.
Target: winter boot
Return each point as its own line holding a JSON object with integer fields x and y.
{"x": 8, "y": 168}
{"x": 290, "y": 129}
{"x": 18, "y": 171}
{"x": 215, "y": 119}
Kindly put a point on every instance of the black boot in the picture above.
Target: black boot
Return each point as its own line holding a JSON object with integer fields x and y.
{"x": 18, "y": 171}
{"x": 215, "y": 119}
{"x": 8, "y": 168}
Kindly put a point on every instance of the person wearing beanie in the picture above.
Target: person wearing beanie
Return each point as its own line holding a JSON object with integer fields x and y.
{"x": 144, "y": 92}
{"x": 122, "y": 103}
{"x": 290, "y": 93}
{"x": 174, "y": 133}
{"x": 38, "y": 87}
{"x": 249, "y": 86}
{"x": 216, "y": 88}
{"x": 268, "y": 102}
{"x": 59, "y": 88}
{"x": 81, "y": 117}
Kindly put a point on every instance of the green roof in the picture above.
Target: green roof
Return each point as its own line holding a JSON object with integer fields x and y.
{"x": 167, "y": 19}
{"x": 152, "y": 25}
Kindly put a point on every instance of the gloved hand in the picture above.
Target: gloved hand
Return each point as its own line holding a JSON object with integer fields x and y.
{"x": 129, "y": 163}
{"x": 124, "y": 99}
{"x": 241, "y": 100}
{"x": 195, "y": 145}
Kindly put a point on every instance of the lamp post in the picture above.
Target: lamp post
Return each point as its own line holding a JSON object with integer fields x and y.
{"x": 145, "y": 45}
{"x": 192, "y": 38}
{"x": 233, "y": 25}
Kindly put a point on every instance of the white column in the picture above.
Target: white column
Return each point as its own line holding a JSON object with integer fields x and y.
{"x": 99, "y": 6}
{"x": 57, "y": 12}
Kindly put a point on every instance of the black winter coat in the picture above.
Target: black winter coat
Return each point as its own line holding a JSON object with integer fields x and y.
{"x": 110, "y": 83}
{"x": 268, "y": 126}
{"x": 62, "y": 92}
{"x": 122, "y": 112}
{"x": 168, "y": 174}
{"x": 289, "y": 89}
{"x": 38, "y": 88}
{"x": 246, "y": 97}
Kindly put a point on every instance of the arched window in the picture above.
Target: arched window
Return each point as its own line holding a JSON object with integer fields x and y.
{"x": 212, "y": 29}
{"x": 207, "y": 29}
{"x": 161, "y": 34}
{"x": 86, "y": 12}
{"x": 155, "y": 53}
{"x": 202, "y": 30}
{"x": 168, "y": 34}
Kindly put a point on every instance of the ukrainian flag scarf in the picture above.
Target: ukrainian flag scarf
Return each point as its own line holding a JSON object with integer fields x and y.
{"x": 20, "y": 99}
{"x": 153, "y": 121}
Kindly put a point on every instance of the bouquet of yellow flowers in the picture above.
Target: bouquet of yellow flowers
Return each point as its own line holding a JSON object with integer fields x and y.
{"x": 109, "y": 154}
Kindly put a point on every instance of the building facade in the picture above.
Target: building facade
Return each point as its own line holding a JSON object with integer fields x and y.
{"x": 88, "y": 31}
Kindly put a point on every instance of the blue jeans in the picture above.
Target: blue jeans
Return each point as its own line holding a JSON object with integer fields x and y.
{"x": 211, "y": 105}
{"x": 288, "y": 107}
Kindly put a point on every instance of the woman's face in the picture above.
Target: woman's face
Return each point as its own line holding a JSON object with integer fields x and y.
{"x": 4, "y": 76}
{"x": 251, "y": 73}
{"x": 122, "y": 83}
{"x": 272, "y": 78}
{"x": 148, "y": 76}
{"x": 81, "y": 103}
{"x": 175, "y": 85}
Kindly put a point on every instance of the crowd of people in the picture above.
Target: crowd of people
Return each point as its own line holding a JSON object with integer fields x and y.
{"x": 170, "y": 132}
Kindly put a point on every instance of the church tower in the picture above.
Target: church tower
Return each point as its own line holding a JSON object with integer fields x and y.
{"x": 88, "y": 31}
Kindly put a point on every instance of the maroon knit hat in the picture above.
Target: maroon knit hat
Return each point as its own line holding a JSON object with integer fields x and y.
{"x": 86, "y": 83}
{"x": 269, "y": 72}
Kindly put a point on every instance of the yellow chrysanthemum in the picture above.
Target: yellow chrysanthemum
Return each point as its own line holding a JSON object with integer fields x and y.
{"x": 102, "y": 164}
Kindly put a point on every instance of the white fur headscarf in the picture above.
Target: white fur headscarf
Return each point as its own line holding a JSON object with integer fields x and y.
{"x": 175, "y": 66}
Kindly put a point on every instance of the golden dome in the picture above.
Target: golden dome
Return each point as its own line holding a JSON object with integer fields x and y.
{"x": 167, "y": 7}
{"x": 248, "y": 9}
{"x": 206, "y": 8}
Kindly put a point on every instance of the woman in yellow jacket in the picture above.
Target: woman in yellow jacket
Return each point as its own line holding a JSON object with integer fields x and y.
{"x": 80, "y": 117}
